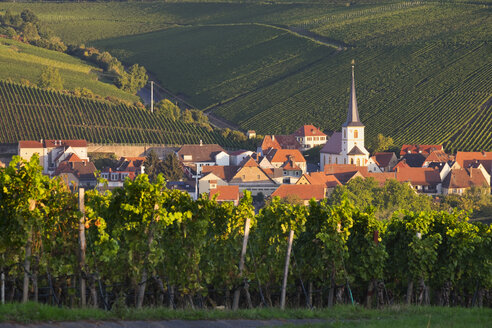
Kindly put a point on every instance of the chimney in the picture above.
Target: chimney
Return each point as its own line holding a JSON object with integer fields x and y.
{"x": 273, "y": 137}
{"x": 201, "y": 142}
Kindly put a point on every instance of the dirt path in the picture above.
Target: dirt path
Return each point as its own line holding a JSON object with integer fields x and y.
{"x": 166, "y": 324}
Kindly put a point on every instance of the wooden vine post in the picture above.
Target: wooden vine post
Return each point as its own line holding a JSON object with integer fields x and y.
{"x": 82, "y": 247}
{"x": 286, "y": 270}
{"x": 237, "y": 292}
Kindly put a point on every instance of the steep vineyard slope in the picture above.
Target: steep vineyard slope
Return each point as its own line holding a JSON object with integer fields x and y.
{"x": 29, "y": 113}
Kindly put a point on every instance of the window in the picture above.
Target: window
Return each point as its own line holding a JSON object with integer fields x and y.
{"x": 105, "y": 175}
{"x": 344, "y": 161}
{"x": 309, "y": 139}
{"x": 114, "y": 176}
{"x": 258, "y": 177}
{"x": 297, "y": 173}
{"x": 356, "y": 134}
{"x": 358, "y": 161}
{"x": 336, "y": 160}
{"x": 351, "y": 161}
{"x": 124, "y": 176}
{"x": 345, "y": 133}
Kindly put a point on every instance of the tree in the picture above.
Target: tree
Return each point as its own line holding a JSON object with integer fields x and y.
{"x": 51, "y": 78}
{"x": 382, "y": 143}
{"x": 133, "y": 80}
{"x": 28, "y": 16}
{"x": 30, "y": 32}
{"x": 152, "y": 167}
{"x": 166, "y": 108}
{"x": 171, "y": 168}
{"x": 186, "y": 116}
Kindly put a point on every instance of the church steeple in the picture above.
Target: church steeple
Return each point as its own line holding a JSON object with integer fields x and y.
{"x": 353, "y": 113}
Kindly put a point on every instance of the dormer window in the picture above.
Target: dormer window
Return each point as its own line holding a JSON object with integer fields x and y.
{"x": 124, "y": 176}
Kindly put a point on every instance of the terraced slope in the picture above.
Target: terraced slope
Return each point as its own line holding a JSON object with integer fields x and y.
{"x": 29, "y": 113}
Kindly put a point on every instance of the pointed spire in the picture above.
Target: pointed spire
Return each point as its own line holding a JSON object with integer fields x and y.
{"x": 353, "y": 113}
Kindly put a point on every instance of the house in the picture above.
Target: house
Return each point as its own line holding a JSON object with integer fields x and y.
{"x": 52, "y": 152}
{"x": 422, "y": 179}
{"x": 250, "y": 176}
{"x": 213, "y": 176}
{"x": 385, "y": 161}
{"x": 279, "y": 158}
{"x": 345, "y": 172}
{"x": 424, "y": 150}
{"x": 458, "y": 181}
{"x": 195, "y": 157}
{"x": 381, "y": 177}
{"x": 437, "y": 156}
{"x": 226, "y": 194}
{"x": 309, "y": 136}
{"x": 302, "y": 193}
{"x": 236, "y": 157}
{"x": 472, "y": 159}
{"x": 278, "y": 142}
{"x": 401, "y": 164}
{"x": 347, "y": 147}
{"x": 188, "y": 186}
{"x": 320, "y": 178}
{"x": 77, "y": 174}
{"x": 251, "y": 134}
{"x": 127, "y": 167}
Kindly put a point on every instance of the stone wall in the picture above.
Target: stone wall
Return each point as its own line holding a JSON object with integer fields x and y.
{"x": 120, "y": 150}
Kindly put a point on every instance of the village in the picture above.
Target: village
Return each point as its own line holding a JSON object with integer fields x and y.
{"x": 277, "y": 167}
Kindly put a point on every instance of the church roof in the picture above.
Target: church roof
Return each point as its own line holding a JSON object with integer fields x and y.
{"x": 356, "y": 151}
{"x": 353, "y": 113}
{"x": 334, "y": 144}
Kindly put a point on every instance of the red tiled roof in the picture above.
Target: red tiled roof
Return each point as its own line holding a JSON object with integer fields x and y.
{"x": 401, "y": 164}
{"x": 30, "y": 144}
{"x": 269, "y": 142}
{"x": 224, "y": 172}
{"x": 304, "y": 192}
{"x": 465, "y": 178}
{"x": 69, "y": 143}
{"x": 82, "y": 170}
{"x": 383, "y": 159}
{"x": 282, "y": 155}
{"x": 73, "y": 158}
{"x": 330, "y": 180}
{"x": 466, "y": 159}
{"x": 381, "y": 178}
{"x": 438, "y": 156}
{"x": 308, "y": 131}
{"x": 225, "y": 193}
{"x": 421, "y": 176}
{"x": 419, "y": 149}
{"x": 290, "y": 166}
{"x": 344, "y": 168}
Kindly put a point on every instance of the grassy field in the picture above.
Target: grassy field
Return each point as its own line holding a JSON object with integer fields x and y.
{"x": 423, "y": 68}
{"x": 21, "y": 61}
{"x": 339, "y": 316}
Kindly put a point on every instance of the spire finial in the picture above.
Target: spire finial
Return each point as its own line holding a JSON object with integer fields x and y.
{"x": 353, "y": 113}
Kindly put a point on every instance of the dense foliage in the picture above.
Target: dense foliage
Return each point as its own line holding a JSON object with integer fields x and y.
{"x": 29, "y": 113}
{"x": 148, "y": 245}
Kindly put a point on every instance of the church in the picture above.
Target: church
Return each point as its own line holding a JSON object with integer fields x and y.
{"x": 347, "y": 146}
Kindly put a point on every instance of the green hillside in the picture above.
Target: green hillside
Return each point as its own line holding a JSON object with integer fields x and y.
{"x": 21, "y": 61}
{"x": 30, "y": 113}
{"x": 423, "y": 69}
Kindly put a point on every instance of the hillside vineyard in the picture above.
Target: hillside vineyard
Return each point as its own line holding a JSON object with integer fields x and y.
{"x": 30, "y": 113}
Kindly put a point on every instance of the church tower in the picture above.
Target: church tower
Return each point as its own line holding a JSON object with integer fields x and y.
{"x": 353, "y": 132}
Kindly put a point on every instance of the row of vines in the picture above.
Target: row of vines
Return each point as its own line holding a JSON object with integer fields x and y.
{"x": 29, "y": 113}
{"x": 145, "y": 245}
